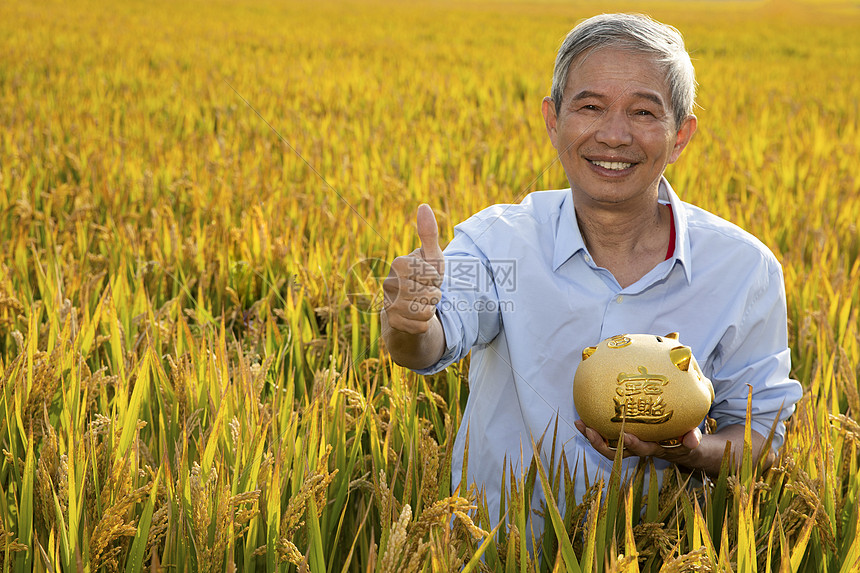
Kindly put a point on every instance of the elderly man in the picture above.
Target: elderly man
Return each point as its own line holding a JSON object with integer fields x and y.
{"x": 526, "y": 287}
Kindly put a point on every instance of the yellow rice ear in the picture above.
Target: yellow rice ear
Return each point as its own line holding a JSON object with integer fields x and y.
{"x": 588, "y": 351}
{"x": 672, "y": 335}
{"x": 681, "y": 356}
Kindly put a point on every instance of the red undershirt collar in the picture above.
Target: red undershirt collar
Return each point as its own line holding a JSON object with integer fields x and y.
{"x": 671, "y": 250}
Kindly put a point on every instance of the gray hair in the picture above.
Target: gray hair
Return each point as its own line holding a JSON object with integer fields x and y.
{"x": 635, "y": 32}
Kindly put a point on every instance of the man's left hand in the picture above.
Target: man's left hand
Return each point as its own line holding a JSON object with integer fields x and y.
{"x": 696, "y": 452}
{"x": 633, "y": 446}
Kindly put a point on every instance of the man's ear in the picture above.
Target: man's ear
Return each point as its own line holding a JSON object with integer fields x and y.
{"x": 549, "y": 118}
{"x": 683, "y": 137}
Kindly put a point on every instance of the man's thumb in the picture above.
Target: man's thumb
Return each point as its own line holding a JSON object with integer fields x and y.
{"x": 428, "y": 232}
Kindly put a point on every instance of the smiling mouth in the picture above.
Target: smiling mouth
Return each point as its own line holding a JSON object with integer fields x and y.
{"x": 611, "y": 165}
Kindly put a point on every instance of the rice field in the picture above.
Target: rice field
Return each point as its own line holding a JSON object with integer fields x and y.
{"x": 197, "y": 200}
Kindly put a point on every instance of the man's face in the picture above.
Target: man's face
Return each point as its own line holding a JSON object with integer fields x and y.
{"x": 615, "y": 133}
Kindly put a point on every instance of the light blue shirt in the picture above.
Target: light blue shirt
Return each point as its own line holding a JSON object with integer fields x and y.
{"x": 523, "y": 294}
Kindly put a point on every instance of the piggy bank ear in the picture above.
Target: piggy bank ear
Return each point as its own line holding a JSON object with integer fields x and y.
{"x": 680, "y": 356}
{"x": 672, "y": 335}
{"x": 588, "y": 351}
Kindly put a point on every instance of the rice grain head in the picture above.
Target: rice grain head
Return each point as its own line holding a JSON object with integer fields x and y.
{"x": 396, "y": 542}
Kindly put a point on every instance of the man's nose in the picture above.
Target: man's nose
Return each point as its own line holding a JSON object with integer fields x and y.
{"x": 613, "y": 128}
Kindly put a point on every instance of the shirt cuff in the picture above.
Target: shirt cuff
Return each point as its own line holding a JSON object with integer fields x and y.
{"x": 452, "y": 345}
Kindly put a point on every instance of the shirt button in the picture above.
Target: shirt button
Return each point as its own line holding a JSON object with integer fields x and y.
{"x": 620, "y": 299}
{"x": 587, "y": 259}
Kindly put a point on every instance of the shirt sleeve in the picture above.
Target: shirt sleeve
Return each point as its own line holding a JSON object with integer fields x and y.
{"x": 469, "y": 307}
{"x": 754, "y": 353}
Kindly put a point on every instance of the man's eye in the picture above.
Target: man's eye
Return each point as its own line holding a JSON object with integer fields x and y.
{"x": 590, "y": 107}
{"x": 644, "y": 112}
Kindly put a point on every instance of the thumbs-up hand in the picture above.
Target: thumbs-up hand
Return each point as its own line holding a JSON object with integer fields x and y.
{"x": 428, "y": 232}
{"x": 411, "y": 289}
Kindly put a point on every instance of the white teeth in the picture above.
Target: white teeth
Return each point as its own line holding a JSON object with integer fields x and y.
{"x": 613, "y": 165}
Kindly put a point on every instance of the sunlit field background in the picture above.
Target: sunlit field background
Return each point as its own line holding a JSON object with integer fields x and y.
{"x": 196, "y": 197}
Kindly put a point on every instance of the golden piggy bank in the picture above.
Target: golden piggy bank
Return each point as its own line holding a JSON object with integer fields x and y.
{"x": 652, "y": 384}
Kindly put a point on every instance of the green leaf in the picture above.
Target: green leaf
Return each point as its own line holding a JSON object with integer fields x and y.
{"x": 851, "y": 560}
{"x": 476, "y": 558}
{"x": 138, "y": 546}
{"x": 747, "y": 461}
{"x": 212, "y": 440}
{"x": 141, "y": 387}
{"x": 652, "y": 511}
{"x": 316, "y": 559}
{"x": 557, "y": 523}
{"x": 799, "y": 546}
{"x": 717, "y": 507}
{"x": 273, "y": 516}
{"x": 60, "y": 525}
{"x": 588, "y": 556}
{"x": 25, "y": 509}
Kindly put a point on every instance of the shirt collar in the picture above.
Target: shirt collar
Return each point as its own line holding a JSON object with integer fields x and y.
{"x": 568, "y": 239}
{"x": 682, "y": 231}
